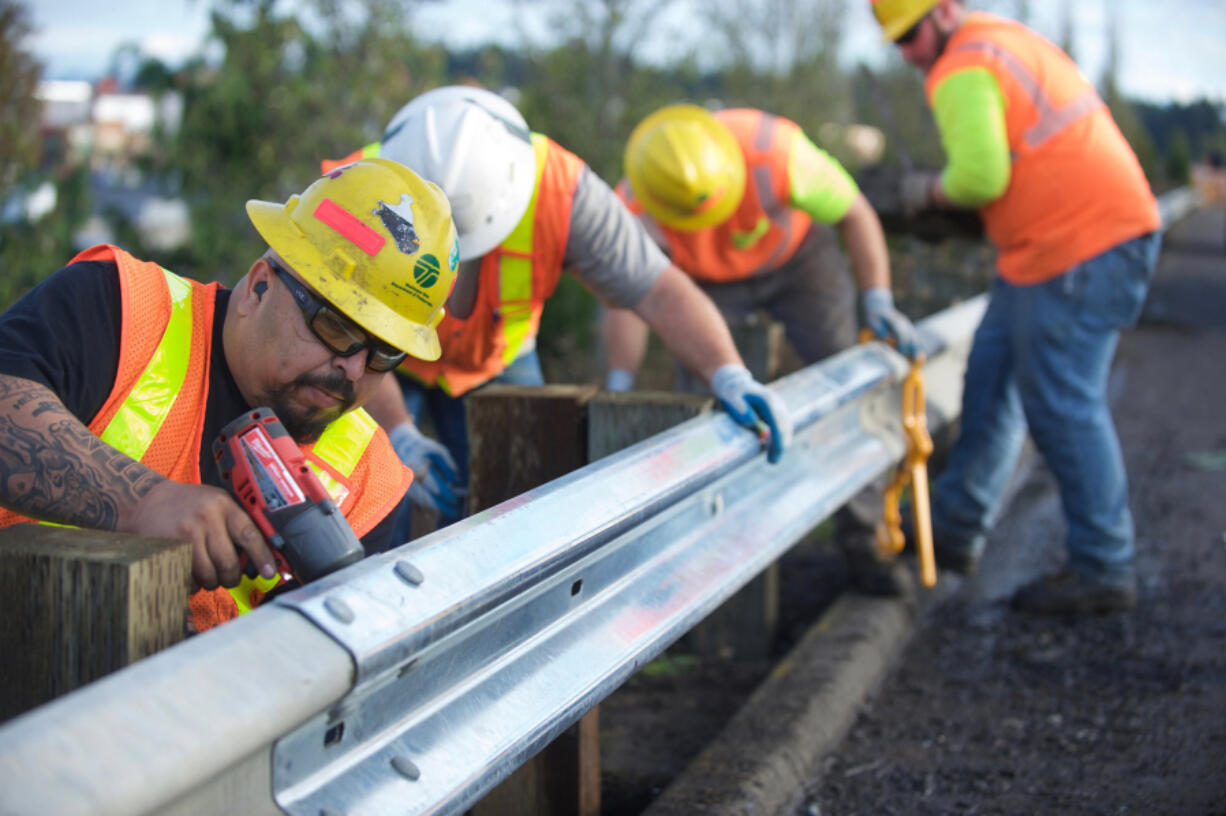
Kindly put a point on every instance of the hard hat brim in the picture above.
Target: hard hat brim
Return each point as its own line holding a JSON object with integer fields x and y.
{"x": 376, "y": 318}
{"x": 672, "y": 217}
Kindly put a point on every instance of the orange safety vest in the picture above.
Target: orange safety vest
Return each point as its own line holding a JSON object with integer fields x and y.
{"x": 1076, "y": 188}
{"x": 764, "y": 231}
{"x": 160, "y": 393}
{"x": 514, "y": 281}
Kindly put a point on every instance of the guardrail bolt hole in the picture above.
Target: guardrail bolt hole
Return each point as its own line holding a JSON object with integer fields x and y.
{"x": 333, "y": 735}
{"x": 576, "y": 587}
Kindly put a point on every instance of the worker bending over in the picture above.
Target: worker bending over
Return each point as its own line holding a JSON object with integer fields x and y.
{"x": 1032, "y": 146}
{"x": 117, "y": 375}
{"x": 743, "y": 202}
{"x": 526, "y": 208}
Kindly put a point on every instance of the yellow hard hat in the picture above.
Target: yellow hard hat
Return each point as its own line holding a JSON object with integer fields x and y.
{"x": 377, "y": 241}
{"x": 896, "y": 16}
{"x": 685, "y": 167}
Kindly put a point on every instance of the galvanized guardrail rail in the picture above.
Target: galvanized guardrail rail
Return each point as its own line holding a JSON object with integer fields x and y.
{"x": 415, "y": 681}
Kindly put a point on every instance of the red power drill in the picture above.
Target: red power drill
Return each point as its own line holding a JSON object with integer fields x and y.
{"x": 266, "y": 472}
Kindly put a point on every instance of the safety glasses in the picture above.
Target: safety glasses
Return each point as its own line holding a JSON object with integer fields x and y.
{"x": 908, "y": 36}
{"x": 336, "y": 331}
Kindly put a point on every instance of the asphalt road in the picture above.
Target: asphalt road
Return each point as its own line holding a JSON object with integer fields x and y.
{"x": 988, "y": 711}
{"x": 952, "y": 703}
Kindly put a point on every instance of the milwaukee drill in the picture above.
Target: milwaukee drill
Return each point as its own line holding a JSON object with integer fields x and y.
{"x": 266, "y": 472}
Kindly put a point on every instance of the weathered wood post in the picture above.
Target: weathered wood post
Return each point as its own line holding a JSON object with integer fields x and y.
{"x": 78, "y": 604}
{"x": 519, "y": 438}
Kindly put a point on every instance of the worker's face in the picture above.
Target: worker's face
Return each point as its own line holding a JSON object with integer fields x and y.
{"x": 924, "y": 42}
{"x": 918, "y": 44}
{"x": 306, "y": 383}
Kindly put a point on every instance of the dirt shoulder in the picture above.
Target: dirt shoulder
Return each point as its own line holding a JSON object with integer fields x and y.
{"x": 989, "y": 711}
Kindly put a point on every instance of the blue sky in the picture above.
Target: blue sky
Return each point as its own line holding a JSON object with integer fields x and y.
{"x": 1172, "y": 49}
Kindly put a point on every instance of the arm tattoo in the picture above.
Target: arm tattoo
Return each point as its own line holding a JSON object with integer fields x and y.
{"x": 53, "y": 468}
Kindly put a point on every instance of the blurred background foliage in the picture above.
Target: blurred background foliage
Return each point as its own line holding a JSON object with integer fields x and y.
{"x": 273, "y": 93}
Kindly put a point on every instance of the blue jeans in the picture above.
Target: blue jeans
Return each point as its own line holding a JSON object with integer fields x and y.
{"x": 450, "y": 428}
{"x": 1040, "y": 360}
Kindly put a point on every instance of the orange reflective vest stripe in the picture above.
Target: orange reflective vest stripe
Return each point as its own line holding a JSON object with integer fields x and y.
{"x": 514, "y": 281}
{"x": 764, "y": 231}
{"x": 159, "y": 397}
{"x": 1076, "y": 188}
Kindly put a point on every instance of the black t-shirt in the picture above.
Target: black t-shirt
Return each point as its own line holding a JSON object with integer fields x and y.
{"x": 65, "y": 334}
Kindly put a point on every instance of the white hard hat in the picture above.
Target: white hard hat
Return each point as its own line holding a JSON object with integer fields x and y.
{"x": 477, "y": 147}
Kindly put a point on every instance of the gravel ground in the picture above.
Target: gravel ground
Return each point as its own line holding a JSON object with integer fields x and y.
{"x": 992, "y": 712}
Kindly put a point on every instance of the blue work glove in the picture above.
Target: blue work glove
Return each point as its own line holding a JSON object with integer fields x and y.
{"x": 753, "y": 405}
{"x": 618, "y": 379}
{"x": 436, "y": 481}
{"x": 886, "y": 322}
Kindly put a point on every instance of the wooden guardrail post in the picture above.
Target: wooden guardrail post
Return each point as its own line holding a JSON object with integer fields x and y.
{"x": 78, "y": 604}
{"x": 519, "y": 438}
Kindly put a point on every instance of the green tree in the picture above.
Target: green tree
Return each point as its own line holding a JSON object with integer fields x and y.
{"x": 19, "y": 109}
{"x": 29, "y": 252}
{"x": 1178, "y": 158}
{"x": 283, "y": 98}
{"x": 782, "y": 57}
{"x": 1122, "y": 110}
{"x": 588, "y": 91}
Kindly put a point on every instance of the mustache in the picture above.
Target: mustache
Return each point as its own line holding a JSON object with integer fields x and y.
{"x": 335, "y": 383}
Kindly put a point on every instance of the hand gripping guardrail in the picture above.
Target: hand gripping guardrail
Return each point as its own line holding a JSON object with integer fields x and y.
{"x": 415, "y": 681}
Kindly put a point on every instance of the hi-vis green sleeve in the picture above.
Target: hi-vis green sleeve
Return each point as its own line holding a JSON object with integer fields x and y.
{"x": 970, "y": 113}
{"x": 820, "y": 186}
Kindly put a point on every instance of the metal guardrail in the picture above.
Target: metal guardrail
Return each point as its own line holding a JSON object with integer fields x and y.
{"x": 1177, "y": 204}
{"x": 414, "y": 681}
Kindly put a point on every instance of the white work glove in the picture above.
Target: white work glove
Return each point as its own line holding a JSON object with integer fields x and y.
{"x": 886, "y": 322}
{"x": 753, "y": 405}
{"x": 915, "y": 191}
{"x": 436, "y": 481}
{"x": 618, "y": 379}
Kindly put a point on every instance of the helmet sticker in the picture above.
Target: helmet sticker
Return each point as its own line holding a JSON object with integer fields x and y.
{"x": 349, "y": 227}
{"x": 398, "y": 219}
{"x": 425, "y": 271}
{"x": 454, "y": 259}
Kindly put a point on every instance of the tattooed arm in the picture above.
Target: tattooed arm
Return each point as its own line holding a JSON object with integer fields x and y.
{"x": 53, "y": 469}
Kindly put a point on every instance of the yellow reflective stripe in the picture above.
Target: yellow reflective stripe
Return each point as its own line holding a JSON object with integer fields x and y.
{"x": 146, "y": 407}
{"x": 515, "y": 270}
{"x": 744, "y": 240}
{"x": 344, "y": 441}
{"x": 341, "y": 446}
{"x": 371, "y": 151}
{"x": 336, "y": 490}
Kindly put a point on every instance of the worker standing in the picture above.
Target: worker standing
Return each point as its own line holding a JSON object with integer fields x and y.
{"x": 526, "y": 208}
{"x": 1031, "y": 145}
{"x": 743, "y": 202}
{"x": 117, "y": 375}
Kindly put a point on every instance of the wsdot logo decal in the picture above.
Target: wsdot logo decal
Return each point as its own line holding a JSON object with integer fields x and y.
{"x": 425, "y": 271}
